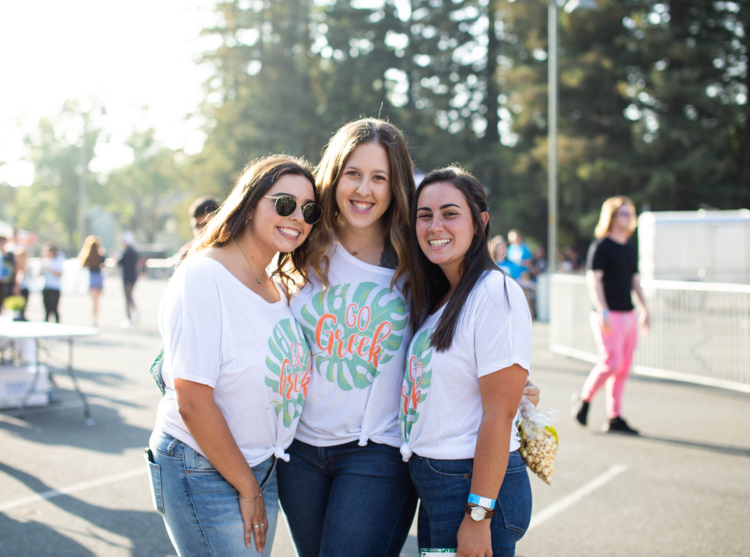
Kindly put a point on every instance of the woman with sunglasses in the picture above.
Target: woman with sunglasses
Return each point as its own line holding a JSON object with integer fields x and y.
{"x": 468, "y": 363}
{"x": 236, "y": 366}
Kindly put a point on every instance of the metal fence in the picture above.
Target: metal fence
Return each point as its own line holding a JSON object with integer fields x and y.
{"x": 700, "y": 332}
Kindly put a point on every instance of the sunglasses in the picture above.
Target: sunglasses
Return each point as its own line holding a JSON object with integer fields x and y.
{"x": 286, "y": 205}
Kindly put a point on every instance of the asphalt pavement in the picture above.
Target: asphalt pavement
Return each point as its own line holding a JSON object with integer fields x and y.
{"x": 682, "y": 488}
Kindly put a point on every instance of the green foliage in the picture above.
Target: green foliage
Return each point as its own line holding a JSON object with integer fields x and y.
{"x": 653, "y": 104}
{"x": 143, "y": 192}
{"x": 51, "y": 205}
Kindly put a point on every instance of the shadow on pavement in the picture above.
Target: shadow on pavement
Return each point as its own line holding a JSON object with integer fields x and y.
{"x": 66, "y": 427}
{"x": 144, "y": 529}
{"x": 34, "y": 538}
{"x": 714, "y": 448}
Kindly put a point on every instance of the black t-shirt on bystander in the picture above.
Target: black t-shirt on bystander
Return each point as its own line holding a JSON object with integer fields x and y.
{"x": 619, "y": 263}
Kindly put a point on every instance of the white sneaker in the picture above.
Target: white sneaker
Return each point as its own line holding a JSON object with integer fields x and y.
{"x": 135, "y": 317}
{"x": 125, "y": 324}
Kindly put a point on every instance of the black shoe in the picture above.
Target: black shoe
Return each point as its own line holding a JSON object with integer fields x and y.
{"x": 618, "y": 425}
{"x": 580, "y": 409}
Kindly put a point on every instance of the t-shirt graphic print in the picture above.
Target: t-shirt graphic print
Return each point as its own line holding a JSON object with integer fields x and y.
{"x": 289, "y": 364}
{"x": 354, "y": 333}
{"x": 358, "y": 331}
{"x": 417, "y": 381}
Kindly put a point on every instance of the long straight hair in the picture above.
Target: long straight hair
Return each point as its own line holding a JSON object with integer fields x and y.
{"x": 328, "y": 173}
{"x": 92, "y": 254}
{"x": 609, "y": 208}
{"x": 428, "y": 282}
{"x": 255, "y": 181}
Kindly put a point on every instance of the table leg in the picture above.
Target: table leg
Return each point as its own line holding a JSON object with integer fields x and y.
{"x": 86, "y": 411}
{"x": 33, "y": 381}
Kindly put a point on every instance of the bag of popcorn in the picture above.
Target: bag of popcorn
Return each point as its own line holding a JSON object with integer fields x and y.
{"x": 538, "y": 439}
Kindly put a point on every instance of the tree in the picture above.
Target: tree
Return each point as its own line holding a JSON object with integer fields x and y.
{"x": 52, "y": 204}
{"x": 143, "y": 192}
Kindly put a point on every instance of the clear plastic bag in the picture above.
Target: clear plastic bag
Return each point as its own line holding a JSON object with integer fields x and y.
{"x": 539, "y": 439}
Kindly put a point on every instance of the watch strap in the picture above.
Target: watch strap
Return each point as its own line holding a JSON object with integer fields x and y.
{"x": 488, "y": 513}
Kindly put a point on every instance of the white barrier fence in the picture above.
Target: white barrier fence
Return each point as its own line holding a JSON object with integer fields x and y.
{"x": 700, "y": 332}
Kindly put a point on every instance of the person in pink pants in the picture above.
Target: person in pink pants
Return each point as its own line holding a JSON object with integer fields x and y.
{"x": 612, "y": 273}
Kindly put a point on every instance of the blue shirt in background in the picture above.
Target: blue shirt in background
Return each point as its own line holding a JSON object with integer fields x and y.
{"x": 515, "y": 271}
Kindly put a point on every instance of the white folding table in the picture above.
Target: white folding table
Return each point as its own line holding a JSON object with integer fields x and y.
{"x": 20, "y": 330}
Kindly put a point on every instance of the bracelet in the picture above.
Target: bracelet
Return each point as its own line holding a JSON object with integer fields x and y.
{"x": 250, "y": 500}
{"x": 481, "y": 501}
{"x": 605, "y": 312}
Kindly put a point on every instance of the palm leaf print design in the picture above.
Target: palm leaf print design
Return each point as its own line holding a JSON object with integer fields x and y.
{"x": 352, "y": 333}
{"x": 417, "y": 380}
{"x": 289, "y": 363}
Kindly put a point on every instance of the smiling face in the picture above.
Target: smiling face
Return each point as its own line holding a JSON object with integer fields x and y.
{"x": 274, "y": 232}
{"x": 363, "y": 192}
{"x": 444, "y": 227}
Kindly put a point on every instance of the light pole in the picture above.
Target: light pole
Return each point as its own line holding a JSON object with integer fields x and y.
{"x": 552, "y": 123}
{"x": 83, "y": 164}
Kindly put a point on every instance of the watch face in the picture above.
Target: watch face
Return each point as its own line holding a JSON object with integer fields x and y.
{"x": 477, "y": 513}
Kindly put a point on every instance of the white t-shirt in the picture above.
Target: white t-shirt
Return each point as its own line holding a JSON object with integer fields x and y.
{"x": 51, "y": 280}
{"x": 441, "y": 406}
{"x": 358, "y": 332}
{"x": 219, "y": 333}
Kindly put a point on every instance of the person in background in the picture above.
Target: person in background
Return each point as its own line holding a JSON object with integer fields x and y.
{"x": 52, "y": 269}
{"x": 538, "y": 262}
{"x": 7, "y": 271}
{"x": 92, "y": 258}
{"x": 129, "y": 263}
{"x": 571, "y": 262}
{"x": 612, "y": 276}
{"x": 200, "y": 211}
{"x": 22, "y": 276}
{"x": 499, "y": 251}
{"x": 518, "y": 252}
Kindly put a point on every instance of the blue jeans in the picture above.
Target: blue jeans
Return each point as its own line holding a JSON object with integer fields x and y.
{"x": 200, "y": 508}
{"x": 443, "y": 487}
{"x": 347, "y": 500}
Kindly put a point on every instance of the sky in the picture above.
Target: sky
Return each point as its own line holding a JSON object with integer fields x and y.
{"x": 122, "y": 56}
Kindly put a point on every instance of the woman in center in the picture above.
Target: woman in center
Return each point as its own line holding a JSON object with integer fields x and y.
{"x": 467, "y": 366}
{"x": 346, "y": 490}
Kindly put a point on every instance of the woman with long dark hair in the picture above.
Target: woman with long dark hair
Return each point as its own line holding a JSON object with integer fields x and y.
{"x": 468, "y": 362}
{"x": 92, "y": 258}
{"x": 236, "y": 366}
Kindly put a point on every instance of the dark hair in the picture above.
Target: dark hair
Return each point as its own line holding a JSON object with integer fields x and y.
{"x": 257, "y": 178}
{"x": 428, "y": 283}
{"x": 203, "y": 206}
{"x": 328, "y": 172}
{"x": 49, "y": 246}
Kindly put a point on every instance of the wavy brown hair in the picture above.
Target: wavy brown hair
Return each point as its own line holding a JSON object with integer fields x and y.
{"x": 328, "y": 172}
{"x": 428, "y": 281}
{"x": 92, "y": 253}
{"x": 255, "y": 181}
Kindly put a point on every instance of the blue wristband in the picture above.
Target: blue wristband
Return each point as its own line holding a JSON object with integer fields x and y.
{"x": 605, "y": 312}
{"x": 481, "y": 501}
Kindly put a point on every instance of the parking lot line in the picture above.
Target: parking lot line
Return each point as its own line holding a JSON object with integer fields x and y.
{"x": 577, "y": 495}
{"x": 71, "y": 489}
